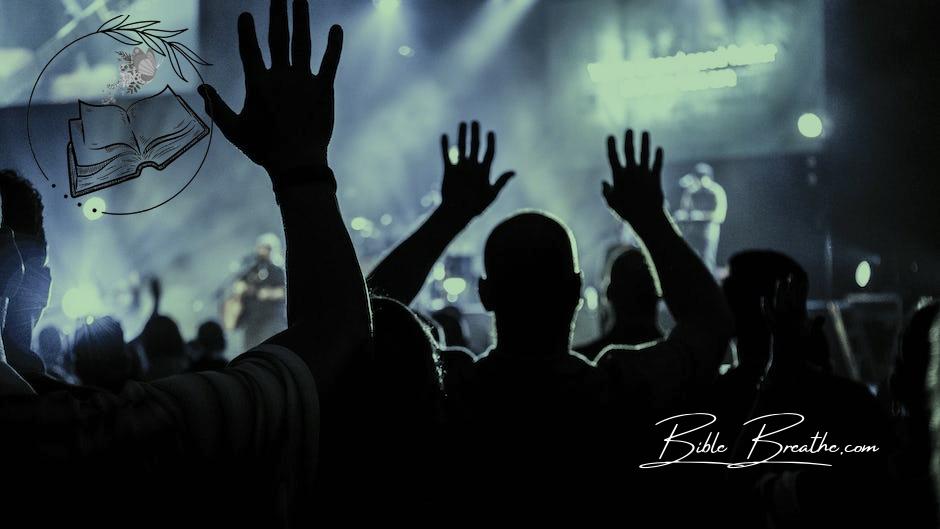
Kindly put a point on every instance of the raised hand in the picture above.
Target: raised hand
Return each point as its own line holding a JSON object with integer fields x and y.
{"x": 637, "y": 193}
{"x": 785, "y": 311}
{"x": 466, "y": 191}
{"x": 287, "y": 119}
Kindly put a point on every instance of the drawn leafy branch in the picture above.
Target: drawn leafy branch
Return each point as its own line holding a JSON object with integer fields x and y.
{"x": 144, "y": 32}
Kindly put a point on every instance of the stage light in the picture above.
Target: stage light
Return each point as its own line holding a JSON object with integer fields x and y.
{"x": 683, "y": 63}
{"x": 387, "y": 6}
{"x": 810, "y": 125}
{"x": 454, "y": 286}
{"x": 81, "y": 301}
{"x": 359, "y": 223}
{"x": 439, "y": 272}
{"x": 406, "y": 51}
{"x": 385, "y": 219}
{"x": 591, "y": 298}
{"x": 454, "y": 154}
{"x": 863, "y": 274}
{"x": 93, "y": 208}
{"x": 89, "y": 320}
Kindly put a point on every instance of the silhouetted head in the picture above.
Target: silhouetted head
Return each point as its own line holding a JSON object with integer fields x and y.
{"x": 408, "y": 366}
{"x": 752, "y": 276}
{"x": 406, "y": 386}
{"x": 533, "y": 281}
{"x": 909, "y": 379}
{"x": 161, "y": 338}
{"x": 101, "y": 358}
{"x": 22, "y": 212}
{"x": 452, "y": 323}
{"x": 50, "y": 345}
{"x": 631, "y": 287}
{"x": 211, "y": 339}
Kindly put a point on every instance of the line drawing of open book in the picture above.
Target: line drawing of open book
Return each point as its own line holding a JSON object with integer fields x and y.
{"x": 109, "y": 145}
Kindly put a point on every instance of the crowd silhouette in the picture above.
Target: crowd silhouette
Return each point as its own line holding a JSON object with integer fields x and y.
{"x": 364, "y": 410}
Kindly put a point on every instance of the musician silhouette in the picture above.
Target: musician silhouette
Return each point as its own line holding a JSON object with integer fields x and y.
{"x": 256, "y": 304}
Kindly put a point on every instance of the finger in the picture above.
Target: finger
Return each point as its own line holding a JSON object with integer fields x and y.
{"x": 490, "y": 151}
{"x": 612, "y": 155}
{"x": 607, "y": 190}
{"x": 334, "y": 48}
{"x": 658, "y": 161}
{"x": 628, "y": 149}
{"x": 462, "y": 141}
{"x": 278, "y": 34}
{"x": 248, "y": 48}
{"x": 502, "y": 181}
{"x": 475, "y": 141}
{"x": 645, "y": 150}
{"x": 300, "y": 39}
{"x": 445, "y": 150}
{"x": 220, "y": 112}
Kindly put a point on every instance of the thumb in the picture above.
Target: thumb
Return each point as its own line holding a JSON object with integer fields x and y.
{"x": 607, "y": 190}
{"x": 220, "y": 112}
{"x": 502, "y": 181}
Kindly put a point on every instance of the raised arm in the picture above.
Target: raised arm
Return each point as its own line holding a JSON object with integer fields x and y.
{"x": 703, "y": 320}
{"x": 466, "y": 192}
{"x": 285, "y": 126}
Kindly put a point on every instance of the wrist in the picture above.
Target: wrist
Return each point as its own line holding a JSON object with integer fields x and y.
{"x": 298, "y": 181}
{"x": 652, "y": 222}
{"x": 452, "y": 218}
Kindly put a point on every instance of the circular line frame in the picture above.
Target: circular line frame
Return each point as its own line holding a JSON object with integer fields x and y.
{"x": 32, "y": 150}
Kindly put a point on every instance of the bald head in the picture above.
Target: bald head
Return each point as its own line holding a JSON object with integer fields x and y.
{"x": 530, "y": 244}
{"x": 531, "y": 259}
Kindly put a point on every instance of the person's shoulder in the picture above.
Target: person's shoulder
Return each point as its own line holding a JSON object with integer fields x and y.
{"x": 458, "y": 354}
{"x": 624, "y": 353}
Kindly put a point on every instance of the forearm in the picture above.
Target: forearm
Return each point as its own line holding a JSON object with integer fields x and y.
{"x": 401, "y": 274}
{"x": 325, "y": 290}
{"x": 688, "y": 288}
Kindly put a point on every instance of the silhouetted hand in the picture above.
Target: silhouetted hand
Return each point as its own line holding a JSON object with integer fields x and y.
{"x": 637, "y": 193}
{"x": 156, "y": 290}
{"x": 287, "y": 119}
{"x": 11, "y": 265}
{"x": 466, "y": 190}
{"x": 785, "y": 311}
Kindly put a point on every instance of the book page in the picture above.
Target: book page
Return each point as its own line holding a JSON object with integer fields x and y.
{"x": 104, "y": 126}
{"x": 166, "y": 148}
{"x": 115, "y": 169}
{"x": 85, "y": 156}
{"x": 156, "y": 117}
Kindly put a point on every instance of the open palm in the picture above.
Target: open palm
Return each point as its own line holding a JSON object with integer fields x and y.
{"x": 466, "y": 190}
{"x": 287, "y": 118}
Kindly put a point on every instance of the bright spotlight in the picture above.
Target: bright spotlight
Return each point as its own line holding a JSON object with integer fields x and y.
{"x": 439, "y": 272}
{"x": 591, "y": 298}
{"x": 454, "y": 286}
{"x": 863, "y": 274}
{"x": 387, "y": 6}
{"x": 359, "y": 223}
{"x": 810, "y": 125}
{"x": 93, "y": 208}
{"x": 81, "y": 301}
{"x": 406, "y": 51}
